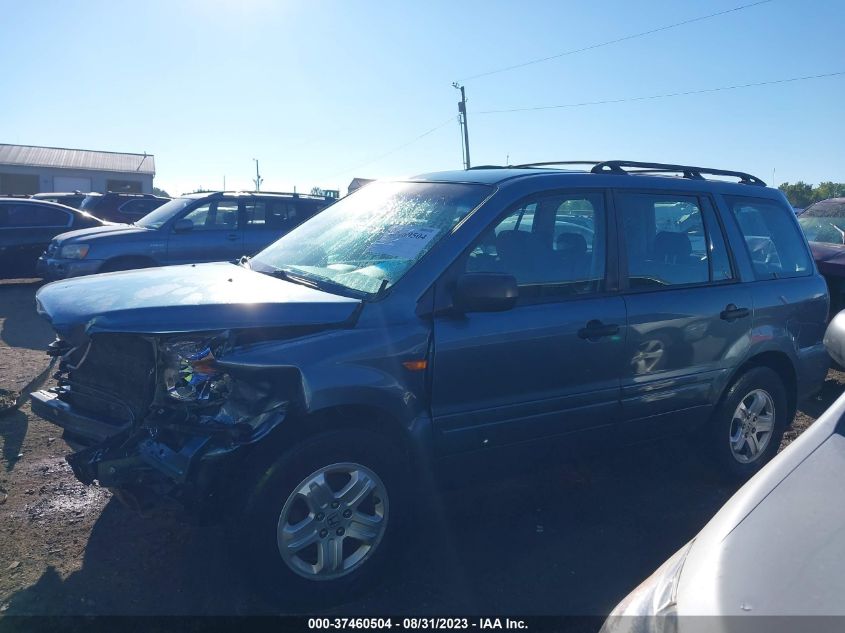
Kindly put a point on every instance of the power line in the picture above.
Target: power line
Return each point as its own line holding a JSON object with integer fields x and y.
{"x": 395, "y": 149}
{"x": 661, "y": 96}
{"x": 610, "y": 42}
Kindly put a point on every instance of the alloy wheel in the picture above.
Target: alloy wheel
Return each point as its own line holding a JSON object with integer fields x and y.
{"x": 752, "y": 426}
{"x": 333, "y": 521}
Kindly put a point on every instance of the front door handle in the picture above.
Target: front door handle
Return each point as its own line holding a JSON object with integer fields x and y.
{"x": 232, "y": 237}
{"x": 595, "y": 329}
{"x": 732, "y": 313}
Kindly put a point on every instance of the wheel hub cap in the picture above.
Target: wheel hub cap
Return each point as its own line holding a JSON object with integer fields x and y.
{"x": 752, "y": 426}
{"x": 333, "y": 521}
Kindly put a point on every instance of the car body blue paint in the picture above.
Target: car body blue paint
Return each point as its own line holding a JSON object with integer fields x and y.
{"x": 494, "y": 378}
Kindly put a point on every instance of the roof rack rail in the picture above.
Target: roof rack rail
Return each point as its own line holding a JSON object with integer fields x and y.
{"x": 552, "y": 163}
{"x": 616, "y": 167}
{"x": 689, "y": 171}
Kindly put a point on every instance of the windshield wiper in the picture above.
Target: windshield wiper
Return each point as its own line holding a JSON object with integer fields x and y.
{"x": 321, "y": 283}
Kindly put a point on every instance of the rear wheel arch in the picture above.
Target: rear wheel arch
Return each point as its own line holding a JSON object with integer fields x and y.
{"x": 782, "y": 365}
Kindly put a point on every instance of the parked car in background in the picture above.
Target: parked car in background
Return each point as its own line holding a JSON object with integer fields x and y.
{"x": 121, "y": 207}
{"x": 824, "y": 225}
{"x": 26, "y": 228}
{"x": 71, "y": 199}
{"x": 311, "y": 393}
{"x": 202, "y": 227}
{"x": 776, "y": 548}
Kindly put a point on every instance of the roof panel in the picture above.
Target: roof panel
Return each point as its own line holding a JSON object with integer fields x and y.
{"x": 63, "y": 158}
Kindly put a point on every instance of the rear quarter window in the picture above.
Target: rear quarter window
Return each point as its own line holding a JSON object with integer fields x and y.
{"x": 773, "y": 239}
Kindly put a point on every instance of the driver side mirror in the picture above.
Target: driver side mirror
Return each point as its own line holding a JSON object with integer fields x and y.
{"x": 485, "y": 292}
{"x": 183, "y": 226}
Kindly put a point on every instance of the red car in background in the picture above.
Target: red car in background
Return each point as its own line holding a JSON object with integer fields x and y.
{"x": 824, "y": 225}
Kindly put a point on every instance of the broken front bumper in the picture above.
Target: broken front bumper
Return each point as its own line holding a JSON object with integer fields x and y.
{"x": 189, "y": 462}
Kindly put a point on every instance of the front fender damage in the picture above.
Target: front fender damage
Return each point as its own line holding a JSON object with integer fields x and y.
{"x": 199, "y": 421}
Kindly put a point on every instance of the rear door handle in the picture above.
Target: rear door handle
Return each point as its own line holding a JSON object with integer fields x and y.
{"x": 233, "y": 236}
{"x": 595, "y": 330}
{"x": 732, "y": 313}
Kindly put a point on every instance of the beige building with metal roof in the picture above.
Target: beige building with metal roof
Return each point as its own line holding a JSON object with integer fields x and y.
{"x": 28, "y": 169}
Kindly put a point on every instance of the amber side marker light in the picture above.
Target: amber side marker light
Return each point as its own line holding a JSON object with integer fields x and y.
{"x": 415, "y": 365}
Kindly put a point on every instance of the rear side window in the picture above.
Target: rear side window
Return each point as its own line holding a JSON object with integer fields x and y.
{"x": 139, "y": 206}
{"x": 89, "y": 203}
{"x": 774, "y": 241}
{"x": 671, "y": 241}
{"x": 17, "y": 216}
{"x": 272, "y": 214}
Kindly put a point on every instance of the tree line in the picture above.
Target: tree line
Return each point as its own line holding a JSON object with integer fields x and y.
{"x": 802, "y": 194}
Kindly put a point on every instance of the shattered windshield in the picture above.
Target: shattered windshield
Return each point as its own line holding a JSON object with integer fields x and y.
{"x": 824, "y": 222}
{"x": 367, "y": 241}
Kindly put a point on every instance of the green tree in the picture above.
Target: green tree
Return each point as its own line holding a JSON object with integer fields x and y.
{"x": 799, "y": 195}
{"x": 829, "y": 189}
{"x": 160, "y": 192}
{"x": 802, "y": 195}
{"x": 316, "y": 191}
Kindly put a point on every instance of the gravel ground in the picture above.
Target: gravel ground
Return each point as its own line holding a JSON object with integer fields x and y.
{"x": 571, "y": 539}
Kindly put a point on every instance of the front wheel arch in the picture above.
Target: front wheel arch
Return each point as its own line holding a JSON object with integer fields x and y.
{"x": 253, "y": 527}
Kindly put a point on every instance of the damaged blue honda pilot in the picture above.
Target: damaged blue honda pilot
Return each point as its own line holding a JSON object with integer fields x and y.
{"x": 312, "y": 393}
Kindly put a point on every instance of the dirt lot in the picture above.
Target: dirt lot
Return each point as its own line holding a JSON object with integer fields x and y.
{"x": 572, "y": 539}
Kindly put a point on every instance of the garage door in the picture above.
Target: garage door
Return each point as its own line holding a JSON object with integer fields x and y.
{"x": 66, "y": 183}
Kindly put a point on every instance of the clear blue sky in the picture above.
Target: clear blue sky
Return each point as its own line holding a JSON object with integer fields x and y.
{"x": 319, "y": 91}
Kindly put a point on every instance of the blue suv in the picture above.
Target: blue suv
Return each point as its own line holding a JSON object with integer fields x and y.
{"x": 201, "y": 227}
{"x": 312, "y": 394}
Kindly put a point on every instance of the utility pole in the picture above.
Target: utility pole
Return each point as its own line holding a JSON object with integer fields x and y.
{"x": 258, "y": 179}
{"x": 462, "y": 111}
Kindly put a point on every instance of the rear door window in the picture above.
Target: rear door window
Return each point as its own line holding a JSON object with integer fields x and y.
{"x": 271, "y": 214}
{"x": 772, "y": 236}
{"x": 671, "y": 240}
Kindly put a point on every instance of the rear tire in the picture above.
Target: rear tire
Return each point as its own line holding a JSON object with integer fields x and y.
{"x": 323, "y": 522}
{"x": 747, "y": 426}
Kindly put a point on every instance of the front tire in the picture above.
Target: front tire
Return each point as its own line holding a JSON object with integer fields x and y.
{"x": 322, "y": 522}
{"x": 748, "y": 425}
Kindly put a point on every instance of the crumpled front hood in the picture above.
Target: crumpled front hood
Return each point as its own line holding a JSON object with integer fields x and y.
{"x": 190, "y": 298}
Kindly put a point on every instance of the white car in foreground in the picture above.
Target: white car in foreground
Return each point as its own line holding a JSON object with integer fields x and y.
{"x": 776, "y": 548}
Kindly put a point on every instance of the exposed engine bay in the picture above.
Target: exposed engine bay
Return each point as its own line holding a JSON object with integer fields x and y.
{"x": 147, "y": 410}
